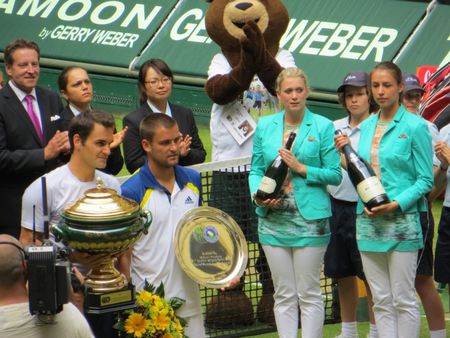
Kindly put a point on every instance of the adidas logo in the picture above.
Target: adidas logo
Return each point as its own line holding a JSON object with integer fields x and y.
{"x": 189, "y": 200}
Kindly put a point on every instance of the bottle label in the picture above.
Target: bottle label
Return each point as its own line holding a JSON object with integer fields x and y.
{"x": 268, "y": 185}
{"x": 353, "y": 158}
{"x": 369, "y": 188}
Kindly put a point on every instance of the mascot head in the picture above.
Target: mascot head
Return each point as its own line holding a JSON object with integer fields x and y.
{"x": 225, "y": 19}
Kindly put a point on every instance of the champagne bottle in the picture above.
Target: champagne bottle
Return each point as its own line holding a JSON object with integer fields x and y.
{"x": 366, "y": 182}
{"x": 275, "y": 175}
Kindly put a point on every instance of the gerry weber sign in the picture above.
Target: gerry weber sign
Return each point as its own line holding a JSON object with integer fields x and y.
{"x": 85, "y": 30}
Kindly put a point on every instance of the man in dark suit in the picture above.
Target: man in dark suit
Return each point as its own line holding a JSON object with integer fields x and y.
{"x": 155, "y": 82}
{"x": 31, "y": 136}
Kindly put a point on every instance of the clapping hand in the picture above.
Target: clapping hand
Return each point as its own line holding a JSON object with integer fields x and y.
{"x": 118, "y": 138}
{"x": 185, "y": 145}
{"x": 58, "y": 144}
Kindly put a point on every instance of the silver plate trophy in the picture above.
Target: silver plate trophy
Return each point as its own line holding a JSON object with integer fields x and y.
{"x": 210, "y": 247}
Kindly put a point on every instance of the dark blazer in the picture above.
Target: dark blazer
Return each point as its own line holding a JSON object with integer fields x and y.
{"x": 21, "y": 151}
{"x": 115, "y": 159}
{"x": 134, "y": 154}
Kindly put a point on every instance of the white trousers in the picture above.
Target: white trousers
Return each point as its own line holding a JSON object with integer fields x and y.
{"x": 195, "y": 327}
{"x": 391, "y": 277}
{"x": 296, "y": 278}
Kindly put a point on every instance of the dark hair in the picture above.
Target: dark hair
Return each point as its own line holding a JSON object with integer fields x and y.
{"x": 148, "y": 126}
{"x": 159, "y": 66}
{"x": 83, "y": 124}
{"x": 19, "y": 44}
{"x": 391, "y": 68}
{"x": 64, "y": 76}
{"x": 373, "y": 107}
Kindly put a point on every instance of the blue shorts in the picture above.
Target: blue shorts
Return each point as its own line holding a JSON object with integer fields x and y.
{"x": 442, "y": 259}
{"x": 342, "y": 258}
{"x": 425, "y": 256}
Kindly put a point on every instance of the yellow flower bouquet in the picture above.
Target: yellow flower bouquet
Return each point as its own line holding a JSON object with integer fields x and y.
{"x": 153, "y": 316}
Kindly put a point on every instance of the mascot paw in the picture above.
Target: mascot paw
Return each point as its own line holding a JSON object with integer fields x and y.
{"x": 264, "y": 312}
{"x": 253, "y": 43}
{"x": 229, "y": 309}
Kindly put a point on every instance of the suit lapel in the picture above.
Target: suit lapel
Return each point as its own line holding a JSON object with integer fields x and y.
{"x": 303, "y": 132}
{"x": 19, "y": 111}
{"x": 365, "y": 142}
{"x": 146, "y": 110}
{"x": 397, "y": 117}
{"x": 175, "y": 113}
{"x": 277, "y": 131}
{"x": 44, "y": 107}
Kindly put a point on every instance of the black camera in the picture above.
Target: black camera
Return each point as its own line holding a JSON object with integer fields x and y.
{"x": 48, "y": 276}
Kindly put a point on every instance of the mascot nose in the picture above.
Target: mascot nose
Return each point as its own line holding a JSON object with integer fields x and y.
{"x": 243, "y": 5}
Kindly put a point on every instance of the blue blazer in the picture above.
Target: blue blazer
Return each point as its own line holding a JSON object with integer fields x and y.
{"x": 314, "y": 147}
{"x": 406, "y": 159}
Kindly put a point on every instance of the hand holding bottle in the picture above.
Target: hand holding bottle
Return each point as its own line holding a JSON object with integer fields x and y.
{"x": 270, "y": 203}
{"x": 291, "y": 161}
{"x": 381, "y": 209}
{"x": 340, "y": 141}
{"x": 367, "y": 184}
{"x": 276, "y": 173}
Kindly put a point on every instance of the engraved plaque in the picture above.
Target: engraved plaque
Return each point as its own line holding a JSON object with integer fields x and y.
{"x": 210, "y": 247}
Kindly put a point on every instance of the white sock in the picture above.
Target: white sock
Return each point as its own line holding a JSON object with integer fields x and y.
{"x": 438, "y": 334}
{"x": 373, "y": 333}
{"x": 349, "y": 330}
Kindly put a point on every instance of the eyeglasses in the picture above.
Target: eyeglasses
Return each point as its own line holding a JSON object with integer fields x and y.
{"x": 154, "y": 82}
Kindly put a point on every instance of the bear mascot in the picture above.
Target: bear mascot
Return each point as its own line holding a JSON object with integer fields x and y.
{"x": 241, "y": 83}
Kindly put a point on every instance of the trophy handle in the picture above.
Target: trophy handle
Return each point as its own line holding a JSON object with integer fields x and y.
{"x": 147, "y": 218}
{"x": 59, "y": 232}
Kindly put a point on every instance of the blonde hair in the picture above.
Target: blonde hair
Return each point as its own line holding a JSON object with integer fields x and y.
{"x": 291, "y": 72}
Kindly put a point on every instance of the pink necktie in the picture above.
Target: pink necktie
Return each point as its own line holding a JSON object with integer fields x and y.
{"x": 33, "y": 116}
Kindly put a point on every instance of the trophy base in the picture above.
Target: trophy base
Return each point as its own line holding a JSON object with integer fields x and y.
{"x": 105, "y": 278}
{"x": 114, "y": 301}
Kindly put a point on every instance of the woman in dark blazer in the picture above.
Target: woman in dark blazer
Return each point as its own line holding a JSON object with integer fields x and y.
{"x": 155, "y": 82}
{"x": 75, "y": 87}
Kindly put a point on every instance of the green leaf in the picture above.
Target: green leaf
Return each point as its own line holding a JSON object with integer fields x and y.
{"x": 148, "y": 287}
{"x": 183, "y": 321}
{"x": 176, "y": 303}
{"x": 160, "y": 290}
{"x": 120, "y": 323}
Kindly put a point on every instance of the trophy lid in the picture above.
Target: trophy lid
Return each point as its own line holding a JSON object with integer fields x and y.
{"x": 100, "y": 203}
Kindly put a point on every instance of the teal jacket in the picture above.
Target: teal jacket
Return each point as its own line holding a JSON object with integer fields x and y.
{"x": 314, "y": 147}
{"x": 406, "y": 159}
